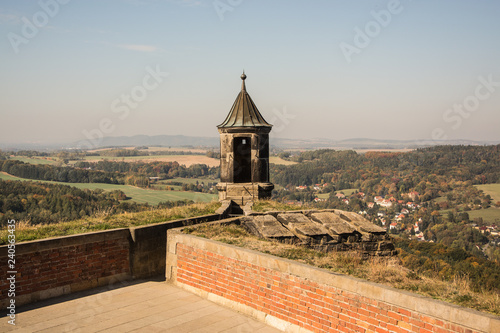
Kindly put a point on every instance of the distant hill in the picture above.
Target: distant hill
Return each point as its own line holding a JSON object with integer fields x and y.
{"x": 160, "y": 140}
{"x": 196, "y": 141}
{"x": 356, "y": 143}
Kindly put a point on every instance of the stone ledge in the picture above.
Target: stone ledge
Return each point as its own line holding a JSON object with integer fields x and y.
{"x": 64, "y": 241}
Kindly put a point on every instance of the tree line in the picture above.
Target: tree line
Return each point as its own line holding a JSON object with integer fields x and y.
{"x": 61, "y": 174}
{"x": 51, "y": 203}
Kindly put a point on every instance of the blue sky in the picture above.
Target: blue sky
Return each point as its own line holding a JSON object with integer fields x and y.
{"x": 316, "y": 69}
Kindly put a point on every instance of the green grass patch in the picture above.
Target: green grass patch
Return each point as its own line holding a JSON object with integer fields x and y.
{"x": 280, "y": 161}
{"x": 440, "y": 199}
{"x": 6, "y": 176}
{"x": 492, "y": 189}
{"x": 323, "y": 195}
{"x": 139, "y": 195}
{"x": 491, "y": 214}
{"x": 35, "y": 160}
{"x": 189, "y": 180}
{"x": 348, "y": 192}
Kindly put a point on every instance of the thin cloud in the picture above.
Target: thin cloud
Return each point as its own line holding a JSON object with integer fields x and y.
{"x": 189, "y": 3}
{"x": 138, "y": 47}
{"x": 9, "y": 18}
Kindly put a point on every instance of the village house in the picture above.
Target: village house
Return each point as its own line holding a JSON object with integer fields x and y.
{"x": 385, "y": 203}
{"x": 413, "y": 195}
{"x": 400, "y": 217}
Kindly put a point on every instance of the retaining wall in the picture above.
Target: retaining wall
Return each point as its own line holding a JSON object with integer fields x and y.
{"x": 300, "y": 298}
{"x": 52, "y": 267}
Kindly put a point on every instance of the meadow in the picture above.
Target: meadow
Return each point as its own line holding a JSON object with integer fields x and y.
{"x": 280, "y": 161}
{"x": 492, "y": 189}
{"x": 136, "y": 194}
{"x": 348, "y": 191}
{"x": 186, "y": 160}
{"x": 35, "y": 159}
{"x": 491, "y": 214}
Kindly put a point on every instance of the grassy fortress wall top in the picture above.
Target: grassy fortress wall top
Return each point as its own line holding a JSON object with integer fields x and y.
{"x": 244, "y": 145}
{"x": 323, "y": 230}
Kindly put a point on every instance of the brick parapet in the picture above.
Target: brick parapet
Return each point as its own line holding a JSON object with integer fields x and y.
{"x": 297, "y": 297}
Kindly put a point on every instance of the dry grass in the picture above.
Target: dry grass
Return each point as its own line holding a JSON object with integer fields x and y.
{"x": 384, "y": 270}
{"x": 104, "y": 220}
{"x": 186, "y": 160}
{"x": 268, "y": 205}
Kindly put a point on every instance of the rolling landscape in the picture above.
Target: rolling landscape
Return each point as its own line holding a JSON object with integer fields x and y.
{"x": 445, "y": 196}
{"x": 252, "y": 166}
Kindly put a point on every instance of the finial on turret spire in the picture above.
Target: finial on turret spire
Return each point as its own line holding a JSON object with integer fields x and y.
{"x": 243, "y": 77}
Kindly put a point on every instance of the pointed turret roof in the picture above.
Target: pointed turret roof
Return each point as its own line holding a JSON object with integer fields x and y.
{"x": 244, "y": 113}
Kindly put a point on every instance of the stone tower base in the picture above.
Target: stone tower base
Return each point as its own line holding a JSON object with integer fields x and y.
{"x": 241, "y": 193}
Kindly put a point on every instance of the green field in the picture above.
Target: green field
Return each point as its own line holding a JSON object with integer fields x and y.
{"x": 186, "y": 160}
{"x": 190, "y": 180}
{"x": 492, "y": 189}
{"x": 491, "y": 214}
{"x": 136, "y": 194}
{"x": 347, "y": 192}
{"x": 35, "y": 160}
{"x": 129, "y": 158}
{"x": 279, "y": 160}
{"x": 440, "y": 199}
{"x": 323, "y": 195}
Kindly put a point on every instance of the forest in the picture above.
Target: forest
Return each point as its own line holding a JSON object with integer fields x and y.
{"x": 51, "y": 203}
{"x": 348, "y": 169}
{"x": 136, "y": 173}
{"x": 444, "y": 178}
{"x": 60, "y": 174}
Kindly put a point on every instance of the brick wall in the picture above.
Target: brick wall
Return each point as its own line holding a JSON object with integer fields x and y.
{"x": 62, "y": 265}
{"x": 294, "y": 297}
{"x": 52, "y": 267}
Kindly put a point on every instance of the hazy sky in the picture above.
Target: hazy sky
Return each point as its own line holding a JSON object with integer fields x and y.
{"x": 316, "y": 69}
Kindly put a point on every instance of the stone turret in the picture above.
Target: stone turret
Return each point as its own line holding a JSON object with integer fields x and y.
{"x": 244, "y": 147}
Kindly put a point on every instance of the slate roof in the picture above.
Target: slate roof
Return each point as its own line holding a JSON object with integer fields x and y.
{"x": 244, "y": 113}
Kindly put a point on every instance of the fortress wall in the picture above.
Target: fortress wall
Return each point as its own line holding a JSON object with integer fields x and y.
{"x": 62, "y": 265}
{"x": 300, "y": 298}
{"x": 53, "y": 267}
{"x": 149, "y": 244}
